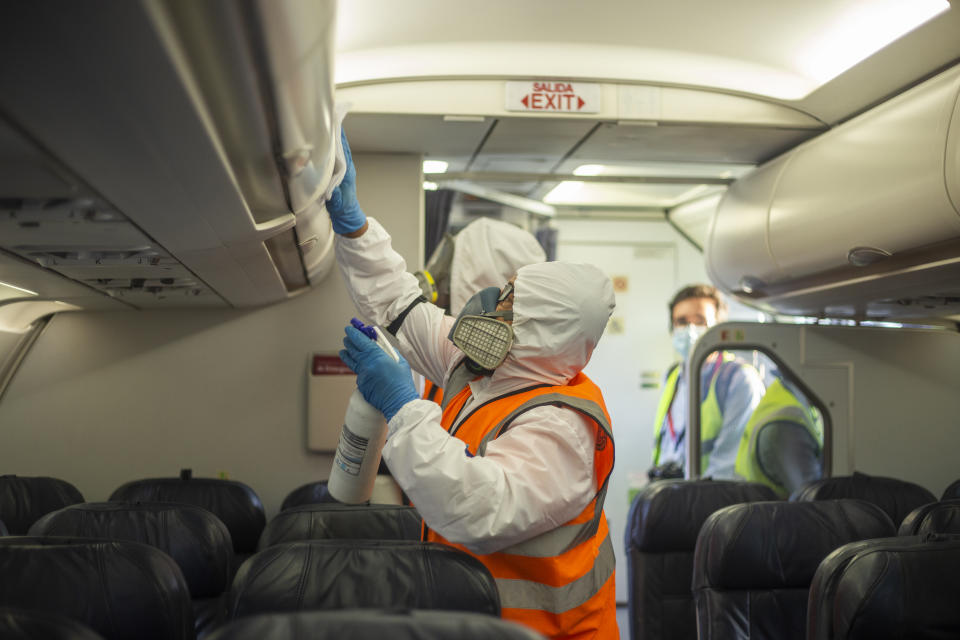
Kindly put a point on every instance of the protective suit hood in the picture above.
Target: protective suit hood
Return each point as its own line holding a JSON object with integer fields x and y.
{"x": 488, "y": 253}
{"x": 560, "y": 311}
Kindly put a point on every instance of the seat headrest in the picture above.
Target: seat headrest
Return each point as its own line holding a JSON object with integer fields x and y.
{"x": 778, "y": 545}
{"x": 888, "y": 588}
{"x": 936, "y": 518}
{"x": 952, "y": 492}
{"x": 195, "y": 538}
{"x": 18, "y": 624}
{"x": 339, "y": 574}
{"x": 119, "y": 589}
{"x": 368, "y": 624}
{"x": 666, "y": 515}
{"x": 310, "y": 493}
{"x": 24, "y": 500}
{"x": 896, "y": 497}
{"x": 341, "y": 521}
{"x": 233, "y": 502}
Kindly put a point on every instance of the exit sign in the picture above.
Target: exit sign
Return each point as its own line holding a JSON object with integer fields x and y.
{"x": 552, "y": 96}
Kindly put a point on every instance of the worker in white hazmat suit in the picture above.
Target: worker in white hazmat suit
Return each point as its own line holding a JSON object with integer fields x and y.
{"x": 485, "y": 253}
{"x": 514, "y": 467}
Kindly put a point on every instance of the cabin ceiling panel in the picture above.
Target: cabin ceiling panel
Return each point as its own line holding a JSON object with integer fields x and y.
{"x": 613, "y": 143}
{"x": 431, "y": 136}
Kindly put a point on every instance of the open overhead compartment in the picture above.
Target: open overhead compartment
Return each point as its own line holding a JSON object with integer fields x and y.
{"x": 170, "y": 153}
{"x": 862, "y": 221}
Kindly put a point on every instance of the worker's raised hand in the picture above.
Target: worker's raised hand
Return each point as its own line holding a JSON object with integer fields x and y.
{"x": 345, "y": 213}
{"x": 384, "y": 382}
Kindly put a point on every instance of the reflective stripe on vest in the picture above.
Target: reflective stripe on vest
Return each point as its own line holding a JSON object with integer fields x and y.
{"x": 778, "y": 404}
{"x": 559, "y": 580}
{"x": 526, "y": 594}
{"x": 711, "y": 417}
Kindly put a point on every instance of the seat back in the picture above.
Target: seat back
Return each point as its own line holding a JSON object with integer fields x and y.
{"x": 661, "y": 534}
{"x": 935, "y": 518}
{"x": 310, "y": 493}
{"x": 754, "y": 563}
{"x": 341, "y": 521}
{"x": 366, "y": 624}
{"x": 896, "y": 497}
{"x": 24, "y": 500}
{"x": 904, "y": 587}
{"x": 196, "y": 540}
{"x": 952, "y": 492}
{"x": 236, "y": 504}
{"x": 340, "y": 574}
{"x": 120, "y": 589}
{"x": 18, "y": 624}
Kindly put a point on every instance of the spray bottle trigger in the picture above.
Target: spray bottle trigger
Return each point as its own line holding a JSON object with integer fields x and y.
{"x": 368, "y": 331}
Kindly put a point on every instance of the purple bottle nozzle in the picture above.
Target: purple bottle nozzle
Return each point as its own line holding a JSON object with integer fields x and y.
{"x": 368, "y": 331}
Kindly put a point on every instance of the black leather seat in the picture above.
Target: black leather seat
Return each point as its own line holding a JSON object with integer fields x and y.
{"x": 341, "y": 521}
{"x": 935, "y": 518}
{"x": 662, "y": 529}
{"x": 754, "y": 563}
{"x": 365, "y": 624}
{"x": 195, "y": 538}
{"x": 23, "y": 500}
{"x": 121, "y": 590}
{"x": 19, "y": 624}
{"x": 952, "y": 492}
{"x": 310, "y": 493}
{"x": 896, "y": 497}
{"x": 340, "y": 574}
{"x": 236, "y": 504}
{"x": 903, "y": 587}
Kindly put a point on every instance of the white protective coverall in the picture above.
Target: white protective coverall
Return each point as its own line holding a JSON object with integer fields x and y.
{"x": 537, "y": 475}
{"x": 487, "y": 253}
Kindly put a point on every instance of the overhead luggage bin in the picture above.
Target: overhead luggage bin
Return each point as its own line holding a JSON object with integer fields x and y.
{"x": 210, "y": 145}
{"x": 862, "y": 221}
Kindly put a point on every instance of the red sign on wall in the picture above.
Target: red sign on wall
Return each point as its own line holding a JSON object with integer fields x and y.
{"x": 324, "y": 365}
{"x": 553, "y": 96}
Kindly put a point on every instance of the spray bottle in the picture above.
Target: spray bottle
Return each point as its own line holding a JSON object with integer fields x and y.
{"x": 361, "y": 439}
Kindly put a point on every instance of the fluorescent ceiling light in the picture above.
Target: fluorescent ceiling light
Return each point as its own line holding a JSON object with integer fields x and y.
{"x": 429, "y": 186}
{"x": 16, "y": 288}
{"x": 434, "y": 166}
{"x": 860, "y": 31}
{"x": 588, "y": 170}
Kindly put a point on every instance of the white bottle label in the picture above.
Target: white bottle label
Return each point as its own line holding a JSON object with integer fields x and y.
{"x": 350, "y": 451}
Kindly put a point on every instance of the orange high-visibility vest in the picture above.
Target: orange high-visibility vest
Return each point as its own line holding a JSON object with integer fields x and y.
{"x": 432, "y": 392}
{"x": 560, "y": 583}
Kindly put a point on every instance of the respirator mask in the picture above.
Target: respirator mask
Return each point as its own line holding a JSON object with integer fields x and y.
{"x": 479, "y": 332}
{"x": 685, "y": 337}
{"x": 434, "y": 278}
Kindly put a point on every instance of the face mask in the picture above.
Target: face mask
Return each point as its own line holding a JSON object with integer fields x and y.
{"x": 685, "y": 337}
{"x": 477, "y": 332}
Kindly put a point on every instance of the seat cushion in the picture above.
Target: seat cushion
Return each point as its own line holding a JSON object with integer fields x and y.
{"x": 19, "y": 624}
{"x": 338, "y": 574}
{"x": 369, "y": 624}
{"x": 936, "y": 518}
{"x": 195, "y": 538}
{"x": 754, "y": 562}
{"x": 902, "y": 587}
{"x": 896, "y": 497}
{"x": 23, "y": 500}
{"x": 233, "y": 502}
{"x": 340, "y": 521}
{"x": 119, "y": 589}
{"x": 310, "y": 493}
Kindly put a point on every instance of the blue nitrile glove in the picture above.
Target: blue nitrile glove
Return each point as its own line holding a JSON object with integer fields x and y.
{"x": 385, "y": 383}
{"x": 345, "y": 213}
